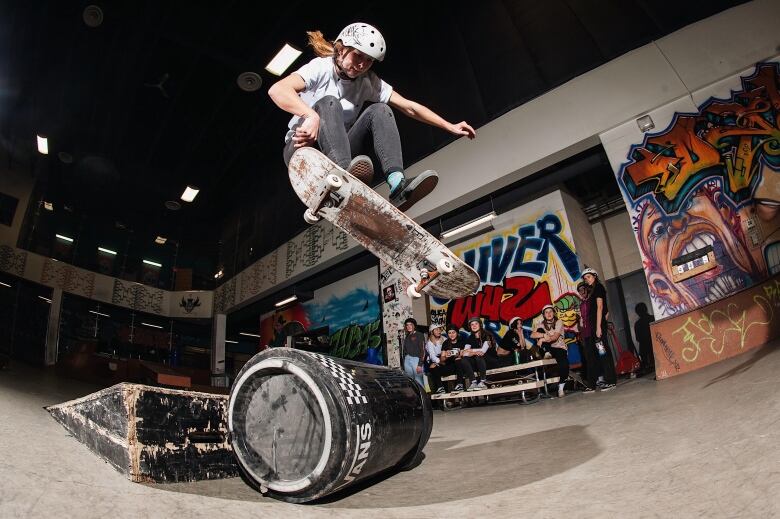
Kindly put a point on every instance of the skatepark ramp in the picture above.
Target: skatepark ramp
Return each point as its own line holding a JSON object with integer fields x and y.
{"x": 152, "y": 434}
{"x": 305, "y": 425}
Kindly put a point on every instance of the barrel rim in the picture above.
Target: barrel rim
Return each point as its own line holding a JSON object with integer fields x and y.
{"x": 308, "y": 480}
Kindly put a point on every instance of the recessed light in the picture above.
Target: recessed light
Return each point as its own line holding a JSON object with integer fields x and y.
{"x": 190, "y": 193}
{"x": 287, "y": 300}
{"x": 283, "y": 59}
{"x": 43, "y": 145}
{"x": 152, "y": 325}
{"x": 249, "y": 81}
{"x": 48, "y": 206}
{"x": 219, "y": 274}
{"x": 160, "y": 240}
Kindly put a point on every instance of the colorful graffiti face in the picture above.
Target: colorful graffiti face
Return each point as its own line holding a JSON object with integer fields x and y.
{"x": 694, "y": 184}
{"x": 699, "y": 224}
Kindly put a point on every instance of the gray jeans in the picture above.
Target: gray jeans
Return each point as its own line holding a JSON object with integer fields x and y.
{"x": 374, "y": 133}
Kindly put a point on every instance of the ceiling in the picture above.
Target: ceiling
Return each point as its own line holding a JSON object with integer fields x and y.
{"x": 147, "y": 103}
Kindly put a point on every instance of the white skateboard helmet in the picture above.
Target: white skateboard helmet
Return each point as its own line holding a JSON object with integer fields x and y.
{"x": 365, "y": 38}
{"x": 590, "y": 271}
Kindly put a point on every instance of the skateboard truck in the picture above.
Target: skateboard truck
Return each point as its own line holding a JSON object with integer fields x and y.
{"x": 329, "y": 198}
{"x": 427, "y": 275}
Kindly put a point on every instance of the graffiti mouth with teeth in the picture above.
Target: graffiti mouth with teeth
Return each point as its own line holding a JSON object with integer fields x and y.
{"x": 700, "y": 223}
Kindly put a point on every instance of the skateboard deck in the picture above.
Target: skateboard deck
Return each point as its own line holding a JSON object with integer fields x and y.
{"x": 330, "y": 192}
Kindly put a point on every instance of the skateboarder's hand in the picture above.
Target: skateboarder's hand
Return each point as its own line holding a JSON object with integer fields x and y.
{"x": 306, "y": 134}
{"x": 463, "y": 128}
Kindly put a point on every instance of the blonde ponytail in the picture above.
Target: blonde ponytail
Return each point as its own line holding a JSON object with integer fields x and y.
{"x": 321, "y": 46}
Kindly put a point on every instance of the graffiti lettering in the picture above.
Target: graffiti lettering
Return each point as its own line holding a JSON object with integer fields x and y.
{"x": 722, "y": 327}
{"x": 493, "y": 261}
{"x": 354, "y": 341}
{"x": 519, "y": 296}
{"x": 668, "y": 352}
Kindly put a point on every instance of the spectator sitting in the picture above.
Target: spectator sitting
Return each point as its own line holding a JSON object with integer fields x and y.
{"x": 447, "y": 361}
{"x": 477, "y": 345}
{"x": 549, "y": 335}
{"x": 644, "y": 338}
{"x": 503, "y": 354}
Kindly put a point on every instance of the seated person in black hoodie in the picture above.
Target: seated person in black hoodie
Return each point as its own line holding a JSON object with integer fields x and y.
{"x": 449, "y": 362}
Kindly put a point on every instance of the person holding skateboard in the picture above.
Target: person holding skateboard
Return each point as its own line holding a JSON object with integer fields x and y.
{"x": 339, "y": 104}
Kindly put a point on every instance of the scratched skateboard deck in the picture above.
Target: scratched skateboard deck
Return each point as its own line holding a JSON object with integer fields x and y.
{"x": 330, "y": 192}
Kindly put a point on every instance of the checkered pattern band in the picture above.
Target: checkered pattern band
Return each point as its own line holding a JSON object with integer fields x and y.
{"x": 345, "y": 380}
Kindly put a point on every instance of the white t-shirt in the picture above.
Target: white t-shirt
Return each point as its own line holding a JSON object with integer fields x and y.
{"x": 322, "y": 80}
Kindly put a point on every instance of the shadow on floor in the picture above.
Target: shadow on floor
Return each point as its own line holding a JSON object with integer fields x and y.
{"x": 753, "y": 359}
{"x": 474, "y": 471}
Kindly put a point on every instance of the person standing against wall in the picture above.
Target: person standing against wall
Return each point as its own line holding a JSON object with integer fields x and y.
{"x": 597, "y": 352}
{"x": 414, "y": 351}
{"x": 644, "y": 338}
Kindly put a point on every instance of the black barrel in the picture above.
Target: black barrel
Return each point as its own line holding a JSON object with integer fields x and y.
{"x": 304, "y": 425}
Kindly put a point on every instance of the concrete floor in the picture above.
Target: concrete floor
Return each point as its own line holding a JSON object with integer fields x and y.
{"x": 706, "y": 444}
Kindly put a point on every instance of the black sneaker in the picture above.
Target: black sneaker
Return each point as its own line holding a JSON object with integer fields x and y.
{"x": 362, "y": 168}
{"x": 458, "y": 388}
{"x": 440, "y": 391}
{"x": 607, "y": 387}
{"x": 588, "y": 390}
{"x": 409, "y": 192}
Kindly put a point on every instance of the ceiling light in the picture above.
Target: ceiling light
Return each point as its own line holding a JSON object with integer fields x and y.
{"x": 160, "y": 240}
{"x": 153, "y": 263}
{"x": 98, "y": 313}
{"x": 482, "y": 220}
{"x": 45, "y": 299}
{"x": 43, "y": 144}
{"x": 190, "y": 193}
{"x": 283, "y": 59}
{"x": 645, "y": 123}
{"x": 64, "y": 238}
{"x": 219, "y": 274}
{"x": 287, "y": 300}
{"x": 152, "y": 325}
{"x": 249, "y": 81}
{"x": 48, "y": 206}
{"x": 5, "y": 284}
{"x": 249, "y": 334}
{"x": 231, "y": 342}
{"x": 107, "y": 251}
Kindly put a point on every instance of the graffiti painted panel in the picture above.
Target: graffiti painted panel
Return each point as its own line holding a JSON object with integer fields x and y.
{"x": 717, "y": 331}
{"x": 709, "y": 181}
{"x": 349, "y": 309}
{"x": 396, "y": 308}
{"x": 522, "y": 268}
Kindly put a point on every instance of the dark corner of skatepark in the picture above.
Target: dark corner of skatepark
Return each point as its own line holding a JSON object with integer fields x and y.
{"x": 422, "y": 260}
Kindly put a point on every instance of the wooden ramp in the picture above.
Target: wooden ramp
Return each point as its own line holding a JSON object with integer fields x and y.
{"x": 152, "y": 434}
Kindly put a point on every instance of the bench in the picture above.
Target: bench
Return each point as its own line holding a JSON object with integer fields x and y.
{"x": 509, "y": 386}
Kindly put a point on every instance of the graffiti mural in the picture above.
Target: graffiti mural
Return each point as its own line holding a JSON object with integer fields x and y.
{"x": 717, "y": 331}
{"x": 709, "y": 182}
{"x": 522, "y": 268}
{"x": 346, "y": 312}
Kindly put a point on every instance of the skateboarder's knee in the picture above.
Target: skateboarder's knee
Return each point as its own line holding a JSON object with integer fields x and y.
{"x": 380, "y": 109}
{"x": 327, "y": 103}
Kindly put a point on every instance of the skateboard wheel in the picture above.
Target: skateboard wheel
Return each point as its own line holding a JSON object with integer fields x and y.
{"x": 445, "y": 266}
{"x": 334, "y": 181}
{"x": 310, "y": 217}
{"x": 412, "y": 292}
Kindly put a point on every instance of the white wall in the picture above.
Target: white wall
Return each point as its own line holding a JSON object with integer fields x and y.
{"x": 616, "y": 242}
{"x": 588, "y": 251}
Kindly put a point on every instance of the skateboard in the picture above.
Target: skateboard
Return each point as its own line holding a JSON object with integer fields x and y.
{"x": 331, "y": 193}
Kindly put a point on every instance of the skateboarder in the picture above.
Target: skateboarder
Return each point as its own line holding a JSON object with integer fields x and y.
{"x": 337, "y": 103}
